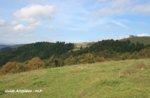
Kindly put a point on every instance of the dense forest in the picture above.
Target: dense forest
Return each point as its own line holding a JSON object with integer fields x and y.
{"x": 45, "y": 54}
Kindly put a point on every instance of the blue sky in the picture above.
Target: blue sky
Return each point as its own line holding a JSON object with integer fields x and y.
{"x": 26, "y": 21}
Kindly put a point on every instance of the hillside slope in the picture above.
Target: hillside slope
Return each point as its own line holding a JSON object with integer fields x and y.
{"x": 145, "y": 40}
{"x": 113, "y": 79}
{"x": 43, "y": 50}
{"x": 3, "y": 46}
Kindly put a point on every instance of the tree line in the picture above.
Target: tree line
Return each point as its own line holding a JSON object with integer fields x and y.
{"x": 44, "y": 54}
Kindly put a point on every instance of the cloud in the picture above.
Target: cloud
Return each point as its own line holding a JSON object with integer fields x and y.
{"x": 115, "y": 1}
{"x": 143, "y": 34}
{"x": 21, "y": 27}
{"x": 103, "y": 12}
{"x": 2, "y": 22}
{"x": 35, "y": 11}
{"x": 118, "y": 7}
{"x": 111, "y": 8}
{"x": 121, "y": 24}
{"x": 32, "y": 16}
{"x": 142, "y": 8}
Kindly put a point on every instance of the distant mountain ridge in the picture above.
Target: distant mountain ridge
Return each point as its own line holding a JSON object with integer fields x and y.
{"x": 6, "y": 46}
{"x": 45, "y": 50}
{"x": 134, "y": 39}
{"x": 3, "y": 46}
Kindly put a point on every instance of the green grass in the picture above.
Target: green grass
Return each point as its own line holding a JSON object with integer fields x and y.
{"x": 113, "y": 79}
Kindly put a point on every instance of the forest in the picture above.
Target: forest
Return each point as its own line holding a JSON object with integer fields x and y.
{"x": 46, "y": 54}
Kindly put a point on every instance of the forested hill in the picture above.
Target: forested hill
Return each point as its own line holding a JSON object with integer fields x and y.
{"x": 43, "y": 50}
{"x": 45, "y": 54}
{"x": 144, "y": 40}
{"x": 3, "y": 46}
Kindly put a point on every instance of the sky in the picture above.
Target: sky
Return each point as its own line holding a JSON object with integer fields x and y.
{"x": 27, "y": 21}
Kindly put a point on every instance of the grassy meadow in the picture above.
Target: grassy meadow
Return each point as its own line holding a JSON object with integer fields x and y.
{"x": 111, "y": 79}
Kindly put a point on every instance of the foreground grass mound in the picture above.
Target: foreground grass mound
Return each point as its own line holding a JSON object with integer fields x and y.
{"x": 113, "y": 79}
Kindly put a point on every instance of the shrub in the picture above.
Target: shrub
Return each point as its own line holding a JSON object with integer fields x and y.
{"x": 13, "y": 67}
{"x": 99, "y": 59}
{"x": 70, "y": 60}
{"x": 87, "y": 58}
{"x": 35, "y": 63}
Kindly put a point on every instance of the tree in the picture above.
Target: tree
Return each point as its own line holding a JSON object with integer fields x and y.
{"x": 87, "y": 58}
{"x": 8, "y": 67}
{"x": 58, "y": 62}
{"x": 35, "y": 63}
{"x": 145, "y": 52}
{"x": 70, "y": 60}
{"x": 13, "y": 67}
{"x": 132, "y": 36}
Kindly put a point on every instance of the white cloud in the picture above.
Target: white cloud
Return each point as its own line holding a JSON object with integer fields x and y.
{"x": 142, "y": 8}
{"x": 108, "y": 11}
{"x": 143, "y": 34}
{"x": 112, "y": 7}
{"x": 35, "y": 11}
{"x": 115, "y": 1}
{"x": 121, "y": 24}
{"x": 119, "y": 7}
{"x": 32, "y": 16}
{"x": 122, "y": 2}
{"x": 2, "y": 22}
{"x": 21, "y": 27}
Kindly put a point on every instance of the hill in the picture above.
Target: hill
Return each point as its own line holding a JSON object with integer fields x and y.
{"x": 3, "y": 46}
{"x": 78, "y": 46}
{"x": 43, "y": 50}
{"x": 113, "y": 79}
{"x": 134, "y": 39}
{"x": 145, "y": 39}
{"x": 61, "y": 53}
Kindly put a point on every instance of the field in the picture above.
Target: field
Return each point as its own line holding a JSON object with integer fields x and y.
{"x": 111, "y": 79}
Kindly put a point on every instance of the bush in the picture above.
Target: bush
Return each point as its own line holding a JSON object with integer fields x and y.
{"x": 13, "y": 67}
{"x": 99, "y": 59}
{"x": 70, "y": 60}
{"x": 145, "y": 52}
{"x": 87, "y": 58}
{"x": 35, "y": 63}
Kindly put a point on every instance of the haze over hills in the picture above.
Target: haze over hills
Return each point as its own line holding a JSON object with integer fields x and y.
{"x": 3, "y": 46}
{"x": 6, "y": 46}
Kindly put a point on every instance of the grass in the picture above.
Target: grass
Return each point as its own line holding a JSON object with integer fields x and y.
{"x": 112, "y": 79}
